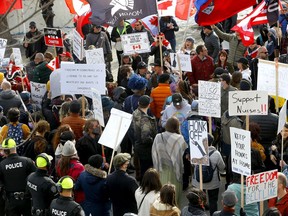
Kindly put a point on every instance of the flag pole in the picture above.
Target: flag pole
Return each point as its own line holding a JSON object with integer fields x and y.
{"x": 188, "y": 19}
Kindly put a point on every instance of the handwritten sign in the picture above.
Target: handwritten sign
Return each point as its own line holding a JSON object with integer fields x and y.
{"x": 17, "y": 57}
{"x": 53, "y": 37}
{"x": 248, "y": 103}
{"x": 185, "y": 62}
{"x": 198, "y": 142}
{"x": 94, "y": 56}
{"x": 209, "y": 99}
{"x": 118, "y": 124}
{"x": 240, "y": 151}
{"x": 261, "y": 186}
{"x": 135, "y": 43}
{"x": 38, "y": 90}
{"x": 81, "y": 78}
{"x": 97, "y": 107}
{"x": 3, "y": 44}
{"x": 78, "y": 48}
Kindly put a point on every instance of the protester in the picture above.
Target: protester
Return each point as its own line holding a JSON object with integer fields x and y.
{"x": 66, "y": 57}
{"x": 183, "y": 88}
{"x": 8, "y": 97}
{"x": 169, "y": 26}
{"x": 157, "y": 72}
{"x": 155, "y": 46}
{"x": 272, "y": 44}
{"x": 229, "y": 200}
{"x": 236, "y": 79}
{"x": 263, "y": 37}
{"x": 243, "y": 66}
{"x": 254, "y": 128}
{"x": 212, "y": 43}
{"x": 251, "y": 51}
{"x": 225, "y": 89}
{"x": 197, "y": 200}
{"x": 222, "y": 62}
{"x": 188, "y": 46}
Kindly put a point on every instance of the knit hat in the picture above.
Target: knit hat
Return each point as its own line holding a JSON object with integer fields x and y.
{"x": 69, "y": 149}
{"x": 95, "y": 161}
{"x": 25, "y": 95}
{"x": 120, "y": 159}
{"x": 245, "y": 85}
{"x": 65, "y": 136}
{"x": 141, "y": 65}
{"x": 137, "y": 82}
{"x": 219, "y": 71}
{"x": 243, "y": 61}
{"x": 229, "y": 198}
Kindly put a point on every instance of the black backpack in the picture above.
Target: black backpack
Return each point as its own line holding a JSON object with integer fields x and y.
{"x": 207, "y": 171}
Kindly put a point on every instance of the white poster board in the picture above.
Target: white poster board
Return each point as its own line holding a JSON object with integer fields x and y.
{"x": 282, "y": 117}
{"x": 55, "y": 86}
{"x": 209, "y": 99}
{"x": 135, "y": 43}
{"x": 17, "y": 57}
{"x": 261, "y": 186}
{"x": 38, "y": 90}
{"x": 118, "y": 124}
{"x": 240, "y": 151}
{"x": 97, "y": 106}
{"x": 243, "y": 103}
{"x": 267, "y": 78}
{"x": 3, "y": 44}
{"x": 95, "y": 56}
{"x": 198, "y": 142}
{"x": 78, "y": 48}
{"x": 185, "y": 62}
{"x": 80, "y": 78}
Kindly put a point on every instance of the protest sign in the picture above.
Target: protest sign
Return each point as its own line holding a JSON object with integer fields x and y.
{"x": 135, "y": 43}
{"x": 78, "y": 48}
{"x": 116, "y": 128}
{"x": 97, "y": 106}
{"x": 240, "y": 151}
{"x": 94, "y": 56}
{"x": 261, "y": 186}
{"x": 38, "y": 90}
{"x": 80, "y": 78}
{"x": 248, "y": 103}
{"x": 185, "y": 62}
{"x": 267, "y": 78}
{"x": 209, "y": 99}
{"x": 198, "y": 142}
{"x": 55, "y": 86}
{"x": 282, "y": 117}
{"x": 53, "y": 37}
{"x": 17, "y": 57}
{"x": 3, "y": 44}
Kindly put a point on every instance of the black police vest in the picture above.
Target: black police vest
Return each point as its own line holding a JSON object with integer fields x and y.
{"x": 64, "y": 206}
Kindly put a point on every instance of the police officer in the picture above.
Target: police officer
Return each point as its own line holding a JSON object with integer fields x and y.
{"x": 42, "y": 188}
{"x": 65, "y": 204}
{"x": 14, "y": 170}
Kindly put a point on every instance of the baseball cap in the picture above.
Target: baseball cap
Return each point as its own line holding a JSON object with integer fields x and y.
{"x": 32, "y": 24}
{"x": 144, "y": 100}
{"x": 66, "y": 54}
{"x": 243, "y": 60}
{"x": 157, "y": 62}
{"x": 142, "y": 65}
{"x": 176, "y": 99}
{"x": 41, "y": 161}
{"x": 194, "y": 105}
{"x": 120, "y": 159}
{"x": 229, "y": 198}
{"x": 8, "y": 143}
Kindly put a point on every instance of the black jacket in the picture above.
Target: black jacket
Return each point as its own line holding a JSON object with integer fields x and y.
{"x": 37, "y": 44}
{"x": 65, "y": 206}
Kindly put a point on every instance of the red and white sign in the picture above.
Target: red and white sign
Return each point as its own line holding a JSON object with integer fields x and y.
{"x": 53, "y": 37}
{"x": 135, "y": 43}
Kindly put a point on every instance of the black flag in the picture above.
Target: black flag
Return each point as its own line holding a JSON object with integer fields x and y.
{"x": 272, "y": 11}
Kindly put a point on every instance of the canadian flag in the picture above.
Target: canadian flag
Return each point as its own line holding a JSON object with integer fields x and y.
{"x": 136, "y": 47}
{"x": 256, "y": 17}
{"x": 53, "y": 64}
{"x": 78, "y": 7}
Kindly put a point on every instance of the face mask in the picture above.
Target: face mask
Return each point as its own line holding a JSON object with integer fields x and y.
{"x": 96, "y": 131}
{"x": 30, "y": 124}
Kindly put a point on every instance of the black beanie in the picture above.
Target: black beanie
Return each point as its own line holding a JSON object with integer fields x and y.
{"x": 95, "y": 161}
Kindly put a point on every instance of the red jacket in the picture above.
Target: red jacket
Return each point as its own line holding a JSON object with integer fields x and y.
{"x": 159, "y": 94}
{"x": 281, "y": 205}
{"x": 201, "y": 69}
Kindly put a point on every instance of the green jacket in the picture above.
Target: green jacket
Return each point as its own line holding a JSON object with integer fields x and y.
{"x": 41, "y": 73}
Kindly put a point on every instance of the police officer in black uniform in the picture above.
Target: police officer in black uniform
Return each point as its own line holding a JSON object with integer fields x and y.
{"x": 14, "y": 170}
{"x": 42, "y": 188}
{"x": 65, "y": 204}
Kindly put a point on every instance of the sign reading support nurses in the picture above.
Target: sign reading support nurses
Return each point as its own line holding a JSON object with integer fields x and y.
{"x": 135, "y": 43}
{"x": 53, "y": 37}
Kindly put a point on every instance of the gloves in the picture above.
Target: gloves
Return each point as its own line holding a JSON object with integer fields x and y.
{"x": 242, "y": 212}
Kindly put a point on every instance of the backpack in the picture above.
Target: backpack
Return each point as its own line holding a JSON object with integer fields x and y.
{"x": 207, "y": 171}
{"x": 16, "y": 133}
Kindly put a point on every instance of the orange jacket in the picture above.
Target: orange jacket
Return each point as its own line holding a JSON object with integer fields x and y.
{"x": 159, "y": 95}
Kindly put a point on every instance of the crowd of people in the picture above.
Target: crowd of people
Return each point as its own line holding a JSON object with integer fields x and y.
{"x": 52, "y": 163}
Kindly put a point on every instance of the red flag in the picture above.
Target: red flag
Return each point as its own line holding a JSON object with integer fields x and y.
{"x": 5, "y": 4}
{"x": 78, "y": 7}
{"x": 256, "y": 17}
{"x": 183, "y": 7}
{"x": 213, "y": 11}
{"x": 163, "y": 5}
{"x": 54, "y": 64}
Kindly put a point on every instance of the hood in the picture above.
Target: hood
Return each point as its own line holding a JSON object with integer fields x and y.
{"x": 100, "y": 174}
{"x": 119, "y": 94}
{"x": 8, "y": 94}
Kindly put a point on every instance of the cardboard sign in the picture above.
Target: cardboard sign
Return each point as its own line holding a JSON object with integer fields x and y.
{"x": 38, "y": 90}
{"x": 185, "y": 62}
{"x": 97, "y": 107}
{"x": 282, "y": 117}
{"x": 261, "y": 186}
{"x": 55, "y": 86}
{"x": 53, "y": 37}
{"x": 116, "y": 128}
{"x": 81, "y": 78}
{"x": 3, "y": 44}
{"x": 209, "y": 99}
{"x": 198, "y": 142}
{"x": 78, "y": 48}
{"x": 95, "y": 56}
{"x": 243, "y": 103}
{"x": 240, "y": 151}
{"x": 267, "y": 78}
{"x": 135, "y": 43}
{"x": 17, "y": 57}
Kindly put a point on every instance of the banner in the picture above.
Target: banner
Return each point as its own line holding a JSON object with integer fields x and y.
{"x": 17, "y": 57}
{"x": 38, "y": 90}
{"x": 198, "y": 142}
{"x": 243, "y": 103}
{"x": 78, "y": 48}
{"x": 53, "y": 37}
{"x": 55, "y": 86}
{"x": 3, "y": 44}
{"x": 97, "y": 106}
{"x": 185, "y": 62}
{"x": 95, "y": 56}
{"x": 116, "y": 128}
{"x": 209, "y": 99}
{"x": 240, "y": 151}
{"x": 261, "y": 186}
{"x": 81, "y": 78}
{"x": 135, "y": 43}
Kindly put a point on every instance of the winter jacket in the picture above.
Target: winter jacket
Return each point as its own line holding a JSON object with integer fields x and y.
{"x": 93, "y": 182}
{"x": 87, "y": 146}
{"x": 34, "y": 47}
{"x": 99, "y": 40}
{"x": 169, "y": 33}
{"x": 41, "y": 73}
{"x": 76, "y": 123}
{"x": 147, "y": 202}
{"x": 193, "y": 211}
{"x": 160, "y": 209}
{"x": 8, "y": 99}
{"x": 227, "y": 122}
{"x": 281, "y": 204}
{"x": 213, "y": 46}
{"x": 159, "y": 95}
{"x": 127, "y": 29}
{"x": 225, "y": 97}
{"x": 246, "y": 74}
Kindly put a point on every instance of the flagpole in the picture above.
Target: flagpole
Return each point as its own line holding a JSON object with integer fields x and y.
{"x": 158, "y": 16}
{"x": 24, "y": 25}
{"x": 188, "y": 19}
